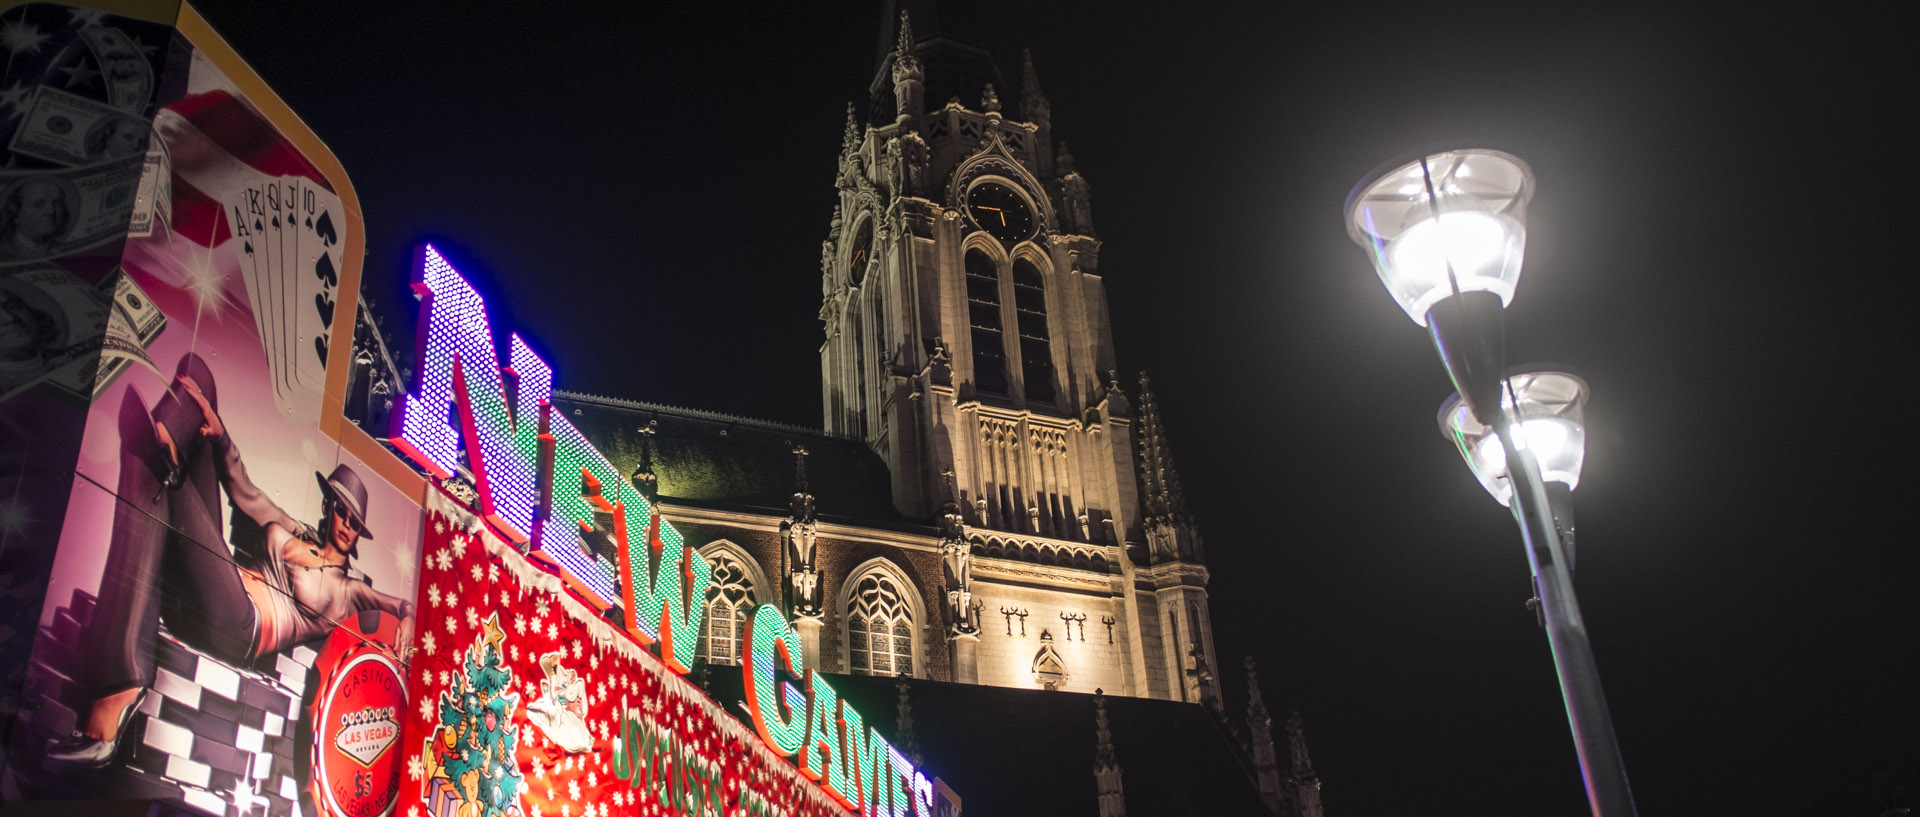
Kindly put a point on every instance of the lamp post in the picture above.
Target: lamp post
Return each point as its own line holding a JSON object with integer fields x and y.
{"x": 1447, "y": 233}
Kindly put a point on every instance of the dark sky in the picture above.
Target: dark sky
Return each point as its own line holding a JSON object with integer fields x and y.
{"x": 1718, "y": 244}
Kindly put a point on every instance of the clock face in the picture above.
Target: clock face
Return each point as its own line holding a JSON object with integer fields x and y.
{"x": 861, "y": 254}
{"x": 1000, "y": 211}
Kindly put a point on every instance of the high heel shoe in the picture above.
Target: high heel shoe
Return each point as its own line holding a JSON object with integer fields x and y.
{"x": 94, "y": 753}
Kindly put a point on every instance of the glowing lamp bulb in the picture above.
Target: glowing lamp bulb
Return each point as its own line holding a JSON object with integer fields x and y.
{"x": 1443, "y": 224}
{"x": 1549, "y": 409}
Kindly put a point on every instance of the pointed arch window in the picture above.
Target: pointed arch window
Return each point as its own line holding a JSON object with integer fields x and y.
{"x": 730, "y": 600}
{"x": 880, "y": 629}
{"x": 1036, "y": 345}
{"x": 983, "y": 316}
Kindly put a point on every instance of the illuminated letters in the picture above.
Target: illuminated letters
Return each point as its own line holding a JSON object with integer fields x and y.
{"x": 774, "y": 648}
{"x": 538, "y": 478}
{"x": 458, "y": 366}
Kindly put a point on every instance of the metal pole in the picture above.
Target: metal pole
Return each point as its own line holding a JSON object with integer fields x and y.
{"x": 1606, "y": 775}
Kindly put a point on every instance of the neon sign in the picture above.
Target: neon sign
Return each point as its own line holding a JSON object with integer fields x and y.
{"x": 541, "y": 483}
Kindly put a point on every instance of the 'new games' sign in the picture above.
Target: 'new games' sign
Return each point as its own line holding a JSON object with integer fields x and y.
{"x": 542, "y": 485}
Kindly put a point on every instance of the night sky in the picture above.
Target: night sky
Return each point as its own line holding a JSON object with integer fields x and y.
{"x": 1719, "y": 244}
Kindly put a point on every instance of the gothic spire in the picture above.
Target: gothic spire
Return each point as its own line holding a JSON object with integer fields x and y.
{"x": 1106, "y": 764}
{"x": 1303, "y": 784}
{"x": 1266, "y": 765}
{"x": 1033, "y": 101}
{"x": 903, "y": 725}
{"x": 903, "y": 45}
{"x": 850, "y": 138}
{"x": 1256, "y": 706}
{"x": 1163, "y": 496}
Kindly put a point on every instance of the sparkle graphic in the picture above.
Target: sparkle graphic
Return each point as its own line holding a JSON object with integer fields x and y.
{"x": 86, "y": 18}
{"x": 20, "y": 38}
{"x": 15, "y": 100}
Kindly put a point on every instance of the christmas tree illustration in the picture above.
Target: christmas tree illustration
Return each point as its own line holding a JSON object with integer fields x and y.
{"x": 470, "y": 762}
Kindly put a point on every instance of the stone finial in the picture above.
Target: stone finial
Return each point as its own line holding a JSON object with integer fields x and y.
{"x": 904, "y": 45}
{"x": 903, "y": 724}
{"x": 850, "y": 138}
{"x": 1256, "y": 706}
{"x": 1106, "y": 763}
{"x": 989, "y": 101}
{"x": 643, "y": 477}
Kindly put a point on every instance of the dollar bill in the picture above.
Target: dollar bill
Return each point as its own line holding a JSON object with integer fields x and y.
{"x": 153, "y": 199}
{"x": 124, "y": 66}
{"x": 73, "y": 130}
{"x": 69, "y": 317}
{"x": 49, "y": 213}
{"x": 132, "y": 325}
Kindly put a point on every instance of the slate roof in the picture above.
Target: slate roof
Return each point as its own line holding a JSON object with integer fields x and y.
{"x": 1010, "y": 752}
{"x": 720, "y": 460}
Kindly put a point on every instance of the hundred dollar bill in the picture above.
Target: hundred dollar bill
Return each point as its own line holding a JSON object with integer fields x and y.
{"x": 132, "y": 325}
{"x": 124, "y": 66}
{"x": 153, "y": 199}
{"x": 64, "y": 319}
{"x": 74, "y": 130}
{"x": 49, "y": 213}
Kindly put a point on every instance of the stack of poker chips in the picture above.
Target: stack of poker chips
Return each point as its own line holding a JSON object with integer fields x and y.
{"x": 219, "y": 738}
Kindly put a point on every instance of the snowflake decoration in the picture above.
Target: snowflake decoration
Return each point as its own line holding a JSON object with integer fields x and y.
{"x": 519, "y": 624}
{"x": 433, "y": 594}
{"x": 493, "y": 573}
{"x": 539, "y": 771}
{"x": 452, "y": 626}
{"x": 426, "y": 709}
{"x": 428, "y": 643}
{"x": 473, "y": 617}
{"x": 446, "y": 560}
{"x": 553, "y": 633}
{"x": 477, "y": 573}
{"x": 573, "y": 789}
{"x": 540, "y": 607}
{"x": 459, "y": 543}
{"x": 513, "y": 652}
{"x": 592, "y": 781}
{"x": 414, "y": 770}
{"x": 576, "y": 650}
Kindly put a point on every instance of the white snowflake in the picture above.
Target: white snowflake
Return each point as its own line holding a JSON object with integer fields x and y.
{"x": 540, "y": 607}
{"x": 536, "y": 810}
{"x": 452, "y": 625}
{"x": 493, "y": 574}
{"x": 519, "y": 624}
{"x": 414, "y": 770}
{"x": 426, "y": 709}
{"x": 458, "y": 542}
{"x": 427, "y": 642}
{"x": 433, "y": 594}
{"x": 446, "y": 560}
{"x": 513, "y": 652}
{"x": 446, "y": 678}
{"x": 553, "y": 632}
{"x": 576, "y": 650}
{"x": 592, "y": 781}
{"x": 439, "y": 525}
{"x": 477, "y": 573}
{"x": 593, "y": 661}
{"x": 539, "y": 771}
{"x": 473, "y": 617}
{"x": 566, "y": 809}
{"x": 573, "y": 789}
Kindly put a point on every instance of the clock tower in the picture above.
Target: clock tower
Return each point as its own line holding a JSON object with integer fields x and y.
{"x": 967, "y": 342}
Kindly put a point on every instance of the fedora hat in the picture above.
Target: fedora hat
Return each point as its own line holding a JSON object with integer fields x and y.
{"x": 344, "y": 487}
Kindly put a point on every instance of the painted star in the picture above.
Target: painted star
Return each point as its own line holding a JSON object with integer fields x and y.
{"x": 81, "y": 75}
{"x": 494, "y": 634}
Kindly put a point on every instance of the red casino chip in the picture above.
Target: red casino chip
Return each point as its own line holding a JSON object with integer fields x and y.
{"x": 355, "y": 710}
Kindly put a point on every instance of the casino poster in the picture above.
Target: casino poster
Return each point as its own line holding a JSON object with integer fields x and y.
{"x": 525, "y": 702}
{"x": 231, "y": 589}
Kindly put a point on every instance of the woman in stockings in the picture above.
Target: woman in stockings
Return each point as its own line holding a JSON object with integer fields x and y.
{"x": 275, "y": 583}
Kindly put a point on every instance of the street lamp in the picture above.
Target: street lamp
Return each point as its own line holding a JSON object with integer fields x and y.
{"x": 1447, "y": 233}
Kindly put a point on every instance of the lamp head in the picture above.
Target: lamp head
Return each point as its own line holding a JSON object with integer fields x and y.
{"x": 1444, "y": 224}
{"x": 1548, "y": 411}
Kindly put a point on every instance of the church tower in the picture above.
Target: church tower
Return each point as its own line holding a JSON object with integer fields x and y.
{"x": 968, "y": 343}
